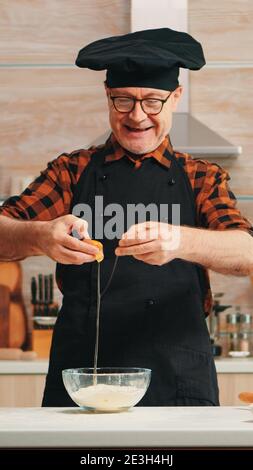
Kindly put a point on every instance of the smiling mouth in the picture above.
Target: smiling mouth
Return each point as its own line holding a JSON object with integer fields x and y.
{"x": 137, "y": 130}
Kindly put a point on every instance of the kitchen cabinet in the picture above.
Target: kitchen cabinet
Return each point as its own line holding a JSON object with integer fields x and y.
{"x": 22, "y": 382}
{"x": 21, "y": 390}
{"x": 230, "y": 385}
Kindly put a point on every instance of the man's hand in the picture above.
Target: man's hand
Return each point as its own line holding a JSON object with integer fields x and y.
{"x": 56, "y": 241}
{"x": 224, "y": 251}
{"x": 150, "y": 242}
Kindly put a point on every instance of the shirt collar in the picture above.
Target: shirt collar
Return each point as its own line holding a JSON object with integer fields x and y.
{"x": 160, "y": 153}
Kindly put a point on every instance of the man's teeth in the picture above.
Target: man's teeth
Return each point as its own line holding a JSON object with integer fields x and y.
{"x": 137, "y": 129}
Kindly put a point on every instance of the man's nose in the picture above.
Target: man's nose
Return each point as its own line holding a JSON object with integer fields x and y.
{"x": 137, "y": 114}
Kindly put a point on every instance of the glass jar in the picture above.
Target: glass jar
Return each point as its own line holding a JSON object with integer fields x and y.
{"x": 245, "y": 323}
{"x": 233, "y": 322}
{"x": 234, "y": 342}
{"x": 246, "y": 342}
{"x": 225, "y": 343}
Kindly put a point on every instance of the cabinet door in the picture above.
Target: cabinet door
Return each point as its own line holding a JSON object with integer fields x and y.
{"x": 231, "y": 385}
{"x": 21, "y": 390}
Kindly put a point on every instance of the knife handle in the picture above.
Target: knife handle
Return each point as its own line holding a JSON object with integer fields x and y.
{"x": 33, "y": 291}
{"x": 40, "y": 288}
{"x": 51, "y": 288}
{"x": 46, "y": 289}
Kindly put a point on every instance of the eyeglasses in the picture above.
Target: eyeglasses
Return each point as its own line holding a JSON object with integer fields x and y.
{"x": 125, "y": 104}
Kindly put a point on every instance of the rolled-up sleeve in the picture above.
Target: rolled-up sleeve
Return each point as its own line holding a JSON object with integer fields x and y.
{"x": 49, "y": 196}
{"x": 216, "y": 204}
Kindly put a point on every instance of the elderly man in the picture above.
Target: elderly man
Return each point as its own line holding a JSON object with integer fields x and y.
{"x": 154, "y": 313}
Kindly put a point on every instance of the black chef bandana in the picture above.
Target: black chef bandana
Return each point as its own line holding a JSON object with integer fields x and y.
{"x": 149, "y": 59}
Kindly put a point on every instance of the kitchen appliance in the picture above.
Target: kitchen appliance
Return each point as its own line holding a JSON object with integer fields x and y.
{"x": 214, "y": 324}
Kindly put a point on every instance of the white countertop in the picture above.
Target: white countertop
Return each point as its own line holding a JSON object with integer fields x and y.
{"x": 40, "y": 366}
{"x": 37, "y": 367}
{"x": 232, "y": 365}
{"x": 138, "y": 427}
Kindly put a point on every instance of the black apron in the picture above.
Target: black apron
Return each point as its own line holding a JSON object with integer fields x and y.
{"x": 151, "y": 316}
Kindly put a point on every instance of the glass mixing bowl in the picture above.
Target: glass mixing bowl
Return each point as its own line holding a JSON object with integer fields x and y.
{"x": 110, "y": 389}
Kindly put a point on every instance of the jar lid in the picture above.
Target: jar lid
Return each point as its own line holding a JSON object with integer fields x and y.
{"x": 234, "y": 335}
{"x": 233, "y": 318}
{"x": 245, "y": 335}
{"x": 245, "y": 318}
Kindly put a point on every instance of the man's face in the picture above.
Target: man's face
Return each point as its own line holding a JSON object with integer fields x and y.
{"x": 137, "y": 131}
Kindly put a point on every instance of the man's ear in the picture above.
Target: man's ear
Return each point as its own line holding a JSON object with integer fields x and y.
{"x": 177, "y": 93}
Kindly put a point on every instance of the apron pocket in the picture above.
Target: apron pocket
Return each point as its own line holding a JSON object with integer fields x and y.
{"x": 196, "y": 375}
{"x": 196, "y": 390}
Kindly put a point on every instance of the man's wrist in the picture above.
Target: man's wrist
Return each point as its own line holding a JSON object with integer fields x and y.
{"x": 34, "y": 233}
{"x": 191, "y": 241}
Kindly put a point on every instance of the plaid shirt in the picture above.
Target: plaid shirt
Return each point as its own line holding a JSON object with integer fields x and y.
{"x": 50, "y": 195}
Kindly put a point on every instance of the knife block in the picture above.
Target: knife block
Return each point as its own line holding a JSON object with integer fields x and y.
{"x": 41, "y": 340}
{"x": 42, "y": 334}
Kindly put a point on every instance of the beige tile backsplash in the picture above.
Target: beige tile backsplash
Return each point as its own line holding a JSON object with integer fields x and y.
{"x": 224, "y": 27}
{"x": 56, "y": 107}
{"x": 62, "y": 110}
{"x": 52, "y": 31}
